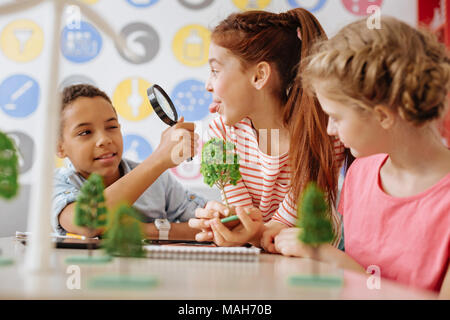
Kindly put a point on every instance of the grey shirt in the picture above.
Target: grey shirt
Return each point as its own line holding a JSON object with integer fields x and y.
{"x": 165, "y": 198}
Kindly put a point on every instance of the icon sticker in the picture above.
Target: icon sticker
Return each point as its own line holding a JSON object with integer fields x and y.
{"x": 191, "y": 100}
{"x": 196, "y": 4}
{"x": 191, "y": 45}
{"x": 76, "y": 79}
{"x": 142, "y": 39}
{"x": 136, "y": 148}
{"x": 25, "y": 150}
{"x": 81, "y": 44}
{"x": 310, "y": 5}
{"x": 251, "y": 4}
{"x": 142, "y": 3}
{"x": 19, "y": 96}
{"x": 130, "y": 99}
{"x": 22, "y": 40}
{"x": 359, "y": 7}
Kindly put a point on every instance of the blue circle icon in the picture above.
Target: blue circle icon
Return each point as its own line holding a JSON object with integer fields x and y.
{"x": 19, "y": 95}
{"x": 80, "y": 43}
{"x": 312, "y": 8}
{"x": 191, "y": 100}
{"x": 136, "y": 148}
{"x": 142, "y": 3}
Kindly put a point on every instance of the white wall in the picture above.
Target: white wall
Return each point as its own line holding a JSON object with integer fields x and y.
{"x": 171, "y": 22}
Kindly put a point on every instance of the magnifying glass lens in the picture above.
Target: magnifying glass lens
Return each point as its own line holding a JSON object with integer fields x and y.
{"x": 164, "y": 104}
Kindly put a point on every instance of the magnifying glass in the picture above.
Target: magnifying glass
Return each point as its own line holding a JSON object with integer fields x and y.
{"x": 163, "y": 106}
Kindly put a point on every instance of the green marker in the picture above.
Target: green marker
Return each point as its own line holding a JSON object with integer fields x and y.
{"x": 228, "y": 219}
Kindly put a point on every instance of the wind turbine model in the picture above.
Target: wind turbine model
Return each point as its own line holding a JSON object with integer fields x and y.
{"x": 37, "y": 256}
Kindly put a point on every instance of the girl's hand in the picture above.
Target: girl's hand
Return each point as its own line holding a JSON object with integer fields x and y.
{"x": 288, "y": 244}
{"x": 272, "y": 229}
{"x": 178, "y": 143}
{"x": 251, "y": 225}
{"x": 204, "y": 216}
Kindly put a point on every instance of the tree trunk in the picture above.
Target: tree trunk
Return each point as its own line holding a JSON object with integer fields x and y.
{"x": 315, "y": 265}
{"x": 90, "y": 244}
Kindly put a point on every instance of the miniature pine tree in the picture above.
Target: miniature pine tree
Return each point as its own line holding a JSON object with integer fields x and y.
{"x": 123, "y": 238}
{"x": 220, "y": 164}
{"x": 314, "y": 217}
{"x": 9, "y": 168}
{"x": 316, "y": 228}
{"x": 90, "y": 209}
{"x": 124, "y": 235}
{"x": 314, "y": 220}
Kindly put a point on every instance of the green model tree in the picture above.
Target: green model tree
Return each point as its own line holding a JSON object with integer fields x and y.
{"x": 124, "y": 235}
{"x": 123, "y": 238}
{"x": 90, "y": 209}
{"x": 9, "y": 168}
{"x": 314, "y": 218}
{"x": 220, "y": 164}
{"x": 316, "y": 228}
{"x": 9, "y": 173}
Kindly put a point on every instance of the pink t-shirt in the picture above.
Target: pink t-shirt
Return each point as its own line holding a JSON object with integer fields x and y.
{"x": 407, "y": 238}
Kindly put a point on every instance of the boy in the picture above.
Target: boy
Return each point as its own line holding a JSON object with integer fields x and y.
{"x": 91, "y": 139}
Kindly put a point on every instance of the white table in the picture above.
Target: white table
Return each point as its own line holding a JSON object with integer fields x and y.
{"x": 266, "y": 279}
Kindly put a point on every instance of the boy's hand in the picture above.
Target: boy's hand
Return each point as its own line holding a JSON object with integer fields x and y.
{"x": 178, "y": 143}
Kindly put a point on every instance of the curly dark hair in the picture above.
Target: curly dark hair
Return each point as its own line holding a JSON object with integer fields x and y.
{"x": 73, "y": 92}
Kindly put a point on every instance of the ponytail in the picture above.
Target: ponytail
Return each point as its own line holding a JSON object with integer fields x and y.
{"x": 311, "y": 148}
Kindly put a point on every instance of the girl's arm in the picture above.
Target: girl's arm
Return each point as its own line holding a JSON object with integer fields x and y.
{"x": 287, "y": 243}
{"x": 445, "y": 288}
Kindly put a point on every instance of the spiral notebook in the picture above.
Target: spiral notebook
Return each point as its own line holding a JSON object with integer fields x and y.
{"x": 187, "y": 252}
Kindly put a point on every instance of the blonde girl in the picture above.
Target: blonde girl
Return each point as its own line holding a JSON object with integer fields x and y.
{"x": 384, "y": 89}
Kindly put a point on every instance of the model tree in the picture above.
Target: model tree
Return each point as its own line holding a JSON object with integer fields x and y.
{"x": 314, "y": 219}
{"x": 124, "y": 235}
{"x": 123, "y": 238}
{"x": 9, "y": 172}
{"x": 90, "y": 209}
{"x": 316, "y": 229}
{"x": 220, "y": 164}
{"x": 9, "y": 168}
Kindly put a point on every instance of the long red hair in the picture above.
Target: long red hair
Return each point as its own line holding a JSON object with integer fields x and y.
{"x": 256, "y": 36}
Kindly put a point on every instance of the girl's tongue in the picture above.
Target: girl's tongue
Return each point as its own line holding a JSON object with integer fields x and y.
{"x": 213, "y": 107}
